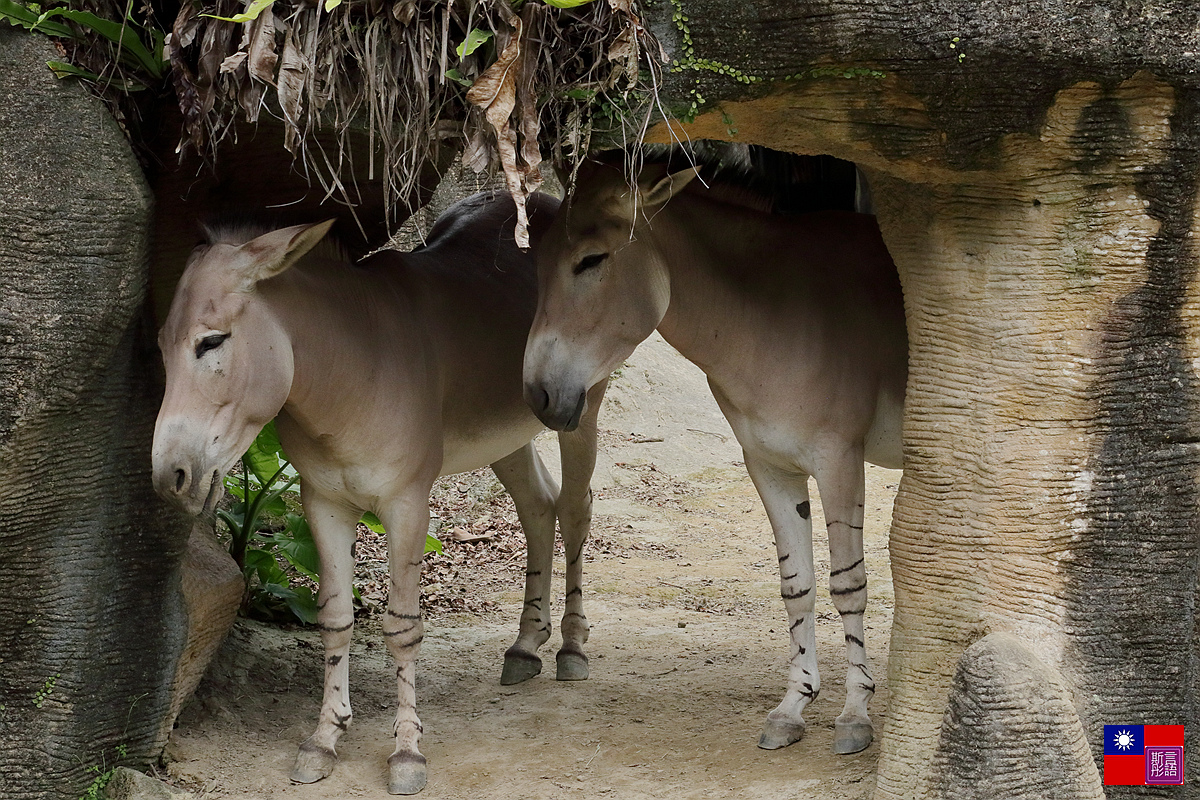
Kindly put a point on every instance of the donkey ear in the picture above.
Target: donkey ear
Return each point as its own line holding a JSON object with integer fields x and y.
{"x": 272, "y": 253}
{"x": 666, "y": 188}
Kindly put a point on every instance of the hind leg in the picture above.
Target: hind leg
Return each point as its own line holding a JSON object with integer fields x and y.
{"x": 842, "y": 495}
{"x": 785, "y": 496}
{"x": 533, "y": 492}
{"x": 574, "y": 511}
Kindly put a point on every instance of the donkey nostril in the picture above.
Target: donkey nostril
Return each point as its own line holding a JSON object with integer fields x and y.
{"x": 539, "y": 398}
{"x": 180, "y": 477}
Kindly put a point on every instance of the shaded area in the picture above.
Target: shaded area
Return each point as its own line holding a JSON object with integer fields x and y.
{"x": 1131, "y": 584}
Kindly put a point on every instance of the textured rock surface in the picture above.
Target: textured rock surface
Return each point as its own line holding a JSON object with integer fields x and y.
{"x": 91, "y": 621}
{"x": 1010, "y": 730}
{"x": 128, "y": 784}
{"x": 212, "y": 588}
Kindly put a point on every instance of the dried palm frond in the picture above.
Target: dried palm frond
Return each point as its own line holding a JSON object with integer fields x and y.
{"x": 403, "y": 69}
{"x": 504, "y": 82}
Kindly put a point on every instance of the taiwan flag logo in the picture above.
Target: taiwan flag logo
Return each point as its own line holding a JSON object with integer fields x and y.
{"x": 1143, "y": 755}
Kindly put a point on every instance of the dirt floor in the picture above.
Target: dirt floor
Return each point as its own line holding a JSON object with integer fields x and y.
{"x": 688, "y": 643}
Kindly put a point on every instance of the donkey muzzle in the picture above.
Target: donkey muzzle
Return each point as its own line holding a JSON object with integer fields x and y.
{"x": 192, "y": 491}
{"x": 558, "y": 410}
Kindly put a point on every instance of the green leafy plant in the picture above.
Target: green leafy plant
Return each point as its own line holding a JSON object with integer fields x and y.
{"x": 474, "y": 39}
{"x": 260, "y": 493}
{"x": 252, "y": 12}
{"x": 95, "y": 789}
{"x": 137, "y": 48}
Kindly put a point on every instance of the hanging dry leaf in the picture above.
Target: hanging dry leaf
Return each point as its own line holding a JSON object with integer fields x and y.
{"x": 624, "y": 46}
{"x": 233, "y": 62}
{"x": 250, "y": 93}
{"x": 263, "y": 59}
{"x": 290, "y": 87}
{"x": 495, "y": 91}
{"x": 212, "y": 53}
{"x": 506, "y": 146}
{"x": 527, "y": 107}
{"x": 404, "y": 11}
{"x": 477, "y": 155}
{"x": 190, "y": 105}
{"x": 187, "y": 25}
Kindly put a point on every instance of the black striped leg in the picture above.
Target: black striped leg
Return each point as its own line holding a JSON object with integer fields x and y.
{"x": 406, "y": 519}
{"x": 333, "y": 528}
{"x": 533, "y": 491}
{"x": 842, "y": 493}
{"x": 574, "y": 511}
{"x": 785, "y": 496}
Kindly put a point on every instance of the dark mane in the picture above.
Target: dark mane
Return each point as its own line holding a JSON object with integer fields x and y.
{"x": 457, "y": 214}
{"x": 761, "y": 178}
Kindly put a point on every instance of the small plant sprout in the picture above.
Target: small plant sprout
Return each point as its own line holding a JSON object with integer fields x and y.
{"x": 42, "y": 694}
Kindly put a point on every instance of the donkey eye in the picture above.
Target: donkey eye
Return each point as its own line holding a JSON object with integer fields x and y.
{"x": 587, "y": 262}
{"x": 210, "y": 342}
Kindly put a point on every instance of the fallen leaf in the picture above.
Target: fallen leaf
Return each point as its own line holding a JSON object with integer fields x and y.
{"x": 461, "y": 536}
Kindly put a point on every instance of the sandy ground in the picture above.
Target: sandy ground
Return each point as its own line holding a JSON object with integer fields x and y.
{"x": 688, "y": 649}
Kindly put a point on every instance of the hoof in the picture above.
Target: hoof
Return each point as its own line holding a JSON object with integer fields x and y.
{"x": 572, "y": 666}
{"x": 406, "y": 773}
{"x": 777, "y": 734}
{"x": 519, "y": 666}
{"x": 851, "y": 737}
{"x": 313, "y": 762}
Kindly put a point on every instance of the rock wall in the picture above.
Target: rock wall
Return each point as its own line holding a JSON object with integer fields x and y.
{"x": 92, "y": 621}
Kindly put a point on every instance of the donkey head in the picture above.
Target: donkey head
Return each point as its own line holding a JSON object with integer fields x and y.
{"x": 603, "y": 287}
{"x": 228, "y": 362}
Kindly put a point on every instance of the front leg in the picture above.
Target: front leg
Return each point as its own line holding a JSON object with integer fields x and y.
{"x": 533, "y": 491}
{"x": 407, "y": 520}
{"x": 574, "y": 510}
{"x": 785, "y": 496}
{"x": 333, "y": 528}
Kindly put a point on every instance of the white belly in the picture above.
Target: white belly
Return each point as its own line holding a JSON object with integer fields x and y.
{"x": 462, "y": 454}
{"x": 884, "y": 442}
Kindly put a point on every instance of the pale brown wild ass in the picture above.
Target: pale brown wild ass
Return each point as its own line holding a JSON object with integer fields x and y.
{"x": 383, "y": 376}
{"x": 798, "y": 321}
